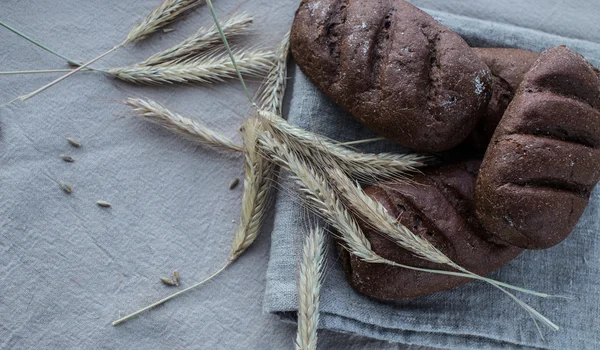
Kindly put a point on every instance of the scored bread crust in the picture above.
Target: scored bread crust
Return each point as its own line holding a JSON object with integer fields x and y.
{"x": 394, "y": 68}
{"x": 544, "y": 158}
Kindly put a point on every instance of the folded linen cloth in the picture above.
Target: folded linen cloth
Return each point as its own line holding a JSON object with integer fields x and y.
{"x": 474, "y": 316}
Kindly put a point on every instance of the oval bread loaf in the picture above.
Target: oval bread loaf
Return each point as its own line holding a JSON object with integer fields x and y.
{"x": 394, "y": 68}
{"x": 544, "y": 159}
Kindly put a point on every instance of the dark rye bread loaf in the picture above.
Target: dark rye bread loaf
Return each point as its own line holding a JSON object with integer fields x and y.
{"x": 508, "y": 66}
{"x": 438, "y": 206}
{"x": 394, "y": 68}
{"x": 544, "y": 158}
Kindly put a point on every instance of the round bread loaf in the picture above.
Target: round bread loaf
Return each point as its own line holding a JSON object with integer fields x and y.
{"x": 508, "y": 66}
{"x": 394, "y": 68}
{"x": 544, "y": 160}
{"x": 437, "y": 205}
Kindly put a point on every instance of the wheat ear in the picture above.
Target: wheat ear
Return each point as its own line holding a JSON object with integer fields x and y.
{"x": 322, "y": 198}
{"x": 156, "y": 113}
{"x": 272, "y": 90}
{"x": 258, "y": 172}
{"x": 206, "y": 69}
{"x": 309, "y": 288}
{"x": 202, "y": 40}
{"x": 165, "y": 13}
{"x": 364, "y": 166}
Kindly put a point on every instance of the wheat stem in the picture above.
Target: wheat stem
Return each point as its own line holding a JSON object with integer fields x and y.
{"x": 164, "y": 300}
{"x": 42, "y": 71}
{"x": 161, "y": 16}
{"x": 30, "y": 95}
{"x": 358, "y": 142}
{"x": 231, "y": 55}
{"x": 205, "y": 69}
{"x": 309, "y": 289}
{"x": 37, "y": 43}
{"x": 156, "y": 113}
{"x": 202, "y": 40}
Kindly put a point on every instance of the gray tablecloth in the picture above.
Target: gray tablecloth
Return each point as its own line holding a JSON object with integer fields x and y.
{"x": 475, "y": 316}
{"x": 68, "y": 268}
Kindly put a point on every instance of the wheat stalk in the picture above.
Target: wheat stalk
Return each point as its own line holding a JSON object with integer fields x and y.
{"x": 202, "y": 40}
{"x": 43, "y": 71}
{"x": 323, "y": 199}
{"x": 309, "y": 288}
{"x": 258, "y": 172}
{"x": 54, "y": 82}
{"x": 37, "y": 43}
{"x": 164, "y": 300}
{"x": 165, "y": 13}
{"x": 364, "y": 166}
{"x": 272, "y": 91}
{"x": 156, "y": 113}
{"x": 206, "y": 69}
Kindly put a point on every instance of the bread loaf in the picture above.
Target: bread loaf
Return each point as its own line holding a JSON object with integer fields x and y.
{"x": 437, "y": 205}
{"x": 394, "y": 68}
{"x": 544, "y": 159}
{"x": 508, "y": 66}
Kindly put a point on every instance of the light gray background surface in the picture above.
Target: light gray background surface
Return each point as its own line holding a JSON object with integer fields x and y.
{"x": 67, "y": 267}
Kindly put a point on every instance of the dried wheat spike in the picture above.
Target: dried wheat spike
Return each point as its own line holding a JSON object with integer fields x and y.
{"x": 258, "y": 172}
{"x": 272, "y": 90}
{"x": 156, "y": 113}
{"x": 309, "y": 288}
{"x": 364, "y": 166}
{"x": 202, "y": 40}
{"x": 209, "y": 68}
{"x": 165, "y": 13}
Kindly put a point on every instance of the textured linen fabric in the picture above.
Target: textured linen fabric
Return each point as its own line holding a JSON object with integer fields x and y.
{"x": 474, "y": 316}
{"x": 69, "y": 268}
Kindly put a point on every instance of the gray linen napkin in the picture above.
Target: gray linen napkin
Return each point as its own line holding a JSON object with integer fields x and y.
{"x": 474, "y": 316}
